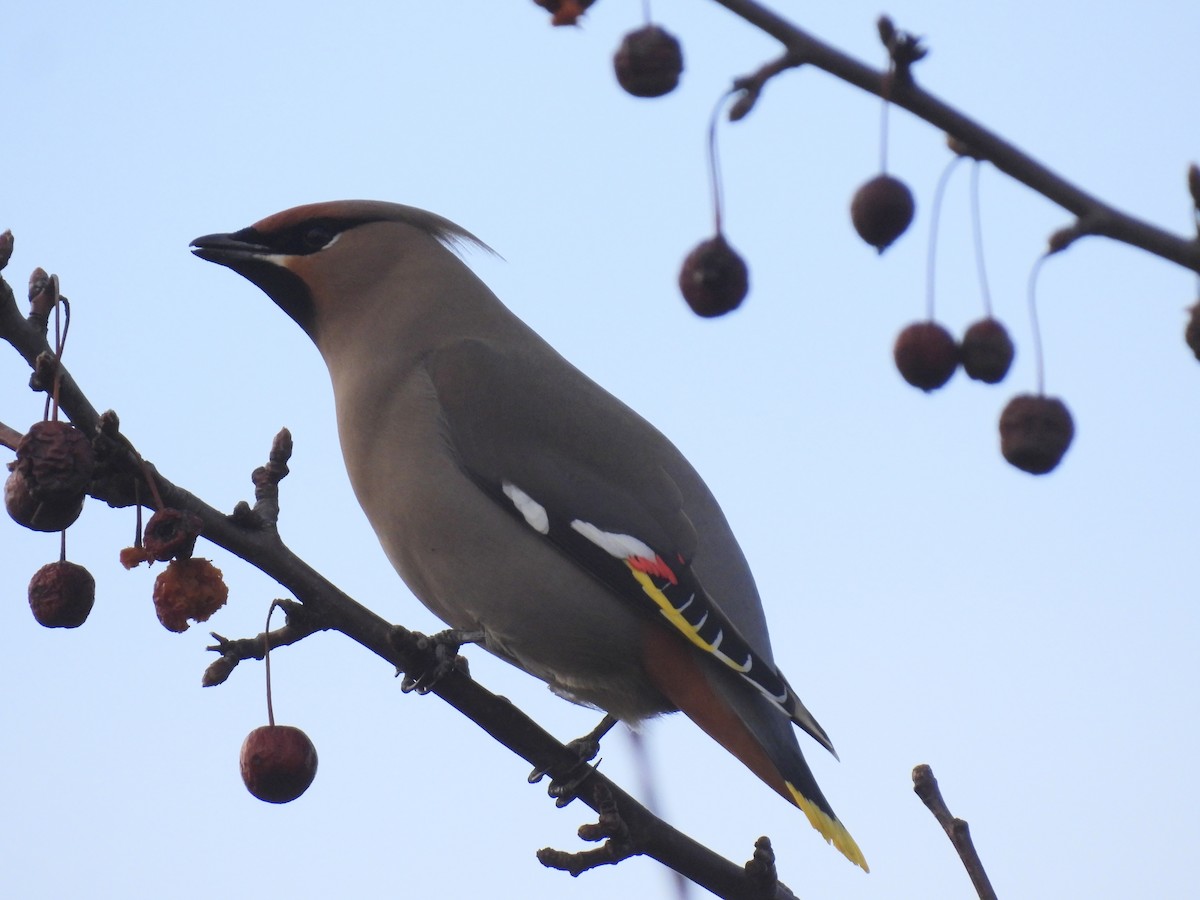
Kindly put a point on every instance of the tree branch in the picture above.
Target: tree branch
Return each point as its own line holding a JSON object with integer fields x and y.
{"x": 1094, "y": 216}
{"x": 251, "y": 535}
{"x": 926, "y": 787}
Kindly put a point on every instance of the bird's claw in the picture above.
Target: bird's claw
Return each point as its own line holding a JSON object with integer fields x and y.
{"x": 563, "y": 787}
{"x": 443, "y": 649}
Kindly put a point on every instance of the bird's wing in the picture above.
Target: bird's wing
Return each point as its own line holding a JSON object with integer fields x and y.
{"x": 585, "y": 472}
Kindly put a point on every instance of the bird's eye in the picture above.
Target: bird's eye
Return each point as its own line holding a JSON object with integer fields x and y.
{"x": 318, "y": 236}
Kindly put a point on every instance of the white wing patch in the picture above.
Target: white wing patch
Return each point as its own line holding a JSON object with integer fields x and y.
{"x": 622, "y": 546}
{"x": 534, "y": 513}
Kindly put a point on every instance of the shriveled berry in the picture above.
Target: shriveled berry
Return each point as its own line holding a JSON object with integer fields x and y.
{"x": 40, "y": 515}
{"x": 49, "y": 478}
{"x": 172, "y": 533}
{"x": 926, "y": 355}
{"x": 132, "y": 557}
{"x": 565, "y": 12}
{"x": 1191, "y": 334}
{"x": 648, "y": 62}
{"x": 987, "y": 351}
{"x": 278, "y": 763}
{"x": 188, "y": 589}
{"x": 881, "y": 210}
{"x": 714, "y": 278}
{"x": 61, "y": 594}
{"x": 1035, "y": 432}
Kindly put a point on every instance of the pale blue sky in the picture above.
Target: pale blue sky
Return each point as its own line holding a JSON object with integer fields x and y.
{"x": 1034, "y": 640}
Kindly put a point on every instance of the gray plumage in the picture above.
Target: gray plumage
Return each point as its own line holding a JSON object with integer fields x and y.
{"x": 464, "y": 433}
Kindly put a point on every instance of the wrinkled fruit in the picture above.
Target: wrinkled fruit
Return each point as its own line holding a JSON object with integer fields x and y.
{"x": 50, "y": 475}
{"x": 987, "y": 351}
{"x": 881, "y": 210}
{"x": 278, "y": 763}
{"x": 926, "y": 355}
{"x": 188, "y": 589}
{"x": 565, "y": 12}
{"x": 61, "y": 594}
{"x": 648, "y": 62}
{"x": 714, "y": 278}
{"x": 171, "y": 533}
{"x": 1192, "y": 333}
{"x": 1035, "y": 432}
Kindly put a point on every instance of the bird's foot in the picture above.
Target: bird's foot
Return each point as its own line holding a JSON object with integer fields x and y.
{"x": 563, "y": 787}
{"x": 443, "y": 658}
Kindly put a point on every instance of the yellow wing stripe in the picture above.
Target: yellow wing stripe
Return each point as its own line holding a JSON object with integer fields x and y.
{"x": 830, "y": 828}
{"x": 681, "y": 624}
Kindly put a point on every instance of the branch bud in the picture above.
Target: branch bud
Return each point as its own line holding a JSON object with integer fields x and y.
{"x": 41, "y": 297}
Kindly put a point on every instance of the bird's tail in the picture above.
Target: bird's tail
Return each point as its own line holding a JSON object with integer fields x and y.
{"x": 748, "y": 726}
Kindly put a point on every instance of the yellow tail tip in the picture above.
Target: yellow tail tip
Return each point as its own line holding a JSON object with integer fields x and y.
{"x": 830, "y": 828}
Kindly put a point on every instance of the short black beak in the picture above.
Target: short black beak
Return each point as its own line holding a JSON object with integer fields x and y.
{"x": 227, "y": 249}
{"x": 245, "y": 253}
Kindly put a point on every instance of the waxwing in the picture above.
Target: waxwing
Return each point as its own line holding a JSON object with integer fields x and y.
{"x": 520, "y": 500}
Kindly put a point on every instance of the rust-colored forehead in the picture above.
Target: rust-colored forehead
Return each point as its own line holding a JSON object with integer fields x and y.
{"x": 357, "y": 212}
{"x": 362, "y": 210}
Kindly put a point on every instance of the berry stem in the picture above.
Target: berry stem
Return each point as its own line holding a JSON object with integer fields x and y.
{"x": 714, "y": 163}
{"x": 977, "y": 231}
{"x": 267, "y": 662}
{"x": 883, "y": 136}
{"x": 934, "y": 215}
{"x": 1033, "y": 322}
{"x": 137, "y": 503}
{"x": 62, "y": 546}
{"x": 646, "y": 11}
{"x": 888, "y": 78}
{"x": 62, "y": 324}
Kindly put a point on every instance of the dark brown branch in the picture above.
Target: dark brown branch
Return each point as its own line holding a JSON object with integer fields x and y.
{"x": 750, "y": 87}
{"x": 1094, "y": 216}
{"x": 610, "y": 828}
{"x": 926, "y": 787}
{"x": 245, "y": 536}
{"x": 9, "y": 437}
{"x": 300, "y": 624}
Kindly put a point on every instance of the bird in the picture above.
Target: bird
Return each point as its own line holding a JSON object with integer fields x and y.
{"x": 521, "y": 502}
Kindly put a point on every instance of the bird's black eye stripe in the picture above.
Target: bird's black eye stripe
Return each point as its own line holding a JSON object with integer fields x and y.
{"x": 301, "y": 239}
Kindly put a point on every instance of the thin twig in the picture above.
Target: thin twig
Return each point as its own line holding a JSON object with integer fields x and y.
{"x": 1095, "y": 217}
{"x": 926, "y": 787}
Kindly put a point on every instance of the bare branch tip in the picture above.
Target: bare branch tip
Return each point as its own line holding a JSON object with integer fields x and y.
{"x": 610, "y": 825}
{"x": 219, "y": 670}
{"x": 1064, "y": 238}
{"x": 281, "y": 447}
{"x": 760, "y": 869}
{"x": 42, "y": 297}
{"x": 904, "y": 49}
{"x": 6, "y": 248}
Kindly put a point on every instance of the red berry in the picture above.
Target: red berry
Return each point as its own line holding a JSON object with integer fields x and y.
{"x": 926, "y": 355}
{"x": 881, "y": 210}
{"x": 648, "y": 62}
{"x": 278, "y": 763}
{"x": 987, "y": 351}
{"x": 61, "y": 594}
{"x": 714, "y": 278}
{"x": 1035, "y": 432}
